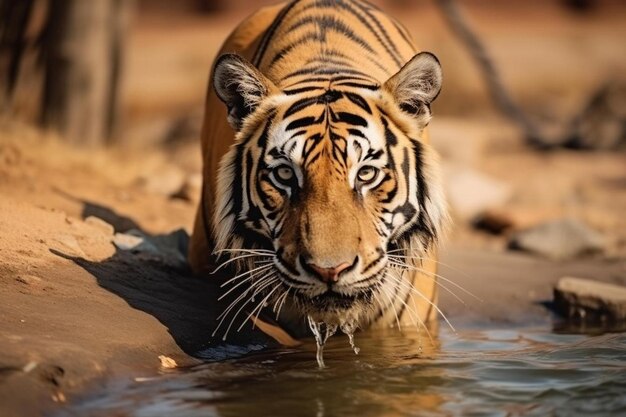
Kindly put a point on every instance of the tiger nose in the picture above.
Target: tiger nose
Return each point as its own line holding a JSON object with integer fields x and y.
{"x": 329, "y": 275}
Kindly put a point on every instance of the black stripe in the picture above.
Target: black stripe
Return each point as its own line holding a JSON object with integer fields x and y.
{"x": 298, "y": 133}
{"x": 334, "y": 4}
{"x": 359, "y": 85}
{"x": 324, "y": 23}
{"x": 394, "y": 54}
{"x": 402, "y": 31}
{"x": 381, "y": 28}
{"x": 298, "y": 123}
{"x": 359, "y": 101}
{"x": 299, "y": 105}
{"x": 372, "y": 154}
{"x": 269, "y": 33}
{"x": 356, "y": 132}
{"x": 422, "y": 187}
{"x": 353, "y": 78}
{"x": 247, "y": 168}
{"x": 323, "y": 70}
{"x": 301, "y": 90}
{"x": 300, "y": 41}
{"x": 324, "y": 60}
{"x": 351, "y": 118}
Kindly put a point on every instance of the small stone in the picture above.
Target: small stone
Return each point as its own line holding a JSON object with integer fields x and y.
{"x": 171, "y": 249}
{"x": 28, "y": 279}
{"x": 100, "y": 224}
{"x": 590, "y": 300}
{"x": 167, "y": 362}
{"x": 558, "y": 239}
{"x": 127, "y": 241}
{"x": 70, "y": 242}
{"x": 471, "y": 193}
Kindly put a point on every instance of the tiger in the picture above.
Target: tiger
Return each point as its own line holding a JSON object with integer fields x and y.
{"x": 321, "y": 196}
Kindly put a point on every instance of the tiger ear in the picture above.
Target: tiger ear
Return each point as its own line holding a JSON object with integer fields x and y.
{"x": 240, "y": 86}
{"x": 416, "y": 85}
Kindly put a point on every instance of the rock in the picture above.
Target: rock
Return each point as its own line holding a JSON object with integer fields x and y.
{"x": 167, "y": 362}
{"x": 128, "y": 241}
{"x": 170, "y": 249}
{"x": 28, "y": 279}
{"x": 471, "y": 193}
{"x": 558, "y": 239}
{"x": 100, "y": 224}
{"x": 69, "y": 242}
{"x": 590, "y": 300}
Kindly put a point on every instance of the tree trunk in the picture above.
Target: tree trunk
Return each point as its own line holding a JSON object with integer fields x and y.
{"x": 14, "y": 17}
{"x": 83, "y": 56}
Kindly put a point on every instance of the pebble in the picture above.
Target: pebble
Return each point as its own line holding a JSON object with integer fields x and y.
{"x": 28, "y": 279}
{"x": 127, "y": 241}
{"x": 167, "y": 362}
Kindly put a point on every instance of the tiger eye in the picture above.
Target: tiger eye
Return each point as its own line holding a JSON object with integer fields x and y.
{"x": 367, "y": 174}
{"x": 283, "y": 173}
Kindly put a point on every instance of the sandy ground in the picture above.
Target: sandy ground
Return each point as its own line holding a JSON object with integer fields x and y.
{"x": 76, "y": 312}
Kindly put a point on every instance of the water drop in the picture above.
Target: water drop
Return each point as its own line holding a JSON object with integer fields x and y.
{"x": 348, "y": 328}
{"x": 322, "y": 331}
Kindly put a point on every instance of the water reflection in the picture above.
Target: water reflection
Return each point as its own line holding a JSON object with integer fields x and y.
{"x": 480, "y": 372}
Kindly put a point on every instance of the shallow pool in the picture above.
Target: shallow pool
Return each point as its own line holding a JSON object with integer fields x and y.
{"x": 504, "y": 372}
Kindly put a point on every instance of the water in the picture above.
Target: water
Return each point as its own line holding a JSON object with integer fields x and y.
{"x": 322, "y": 331}
{"x": 480, "y": 372}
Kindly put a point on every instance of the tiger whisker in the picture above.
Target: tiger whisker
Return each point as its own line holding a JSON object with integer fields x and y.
{"x": 282, "y": 303}
{"x": 243, "y": 274}
{"x": 404, "y": 264}
{"x": 258, "y": 309}
{"x": 417, "y": 321}
{"x": 442, "y": 264}
{"x": 242, "y": 296}
{"x": 230, "y": 260}
{"x": 268, "y": 283}
{"x": 251, "y": 277}
{"x": 415, "y": 290}
{"x": 257, "y": 251}
{"x": 404, "y": 267}
{"x": 395, "y": 311}
{"x": 261, "y": 285}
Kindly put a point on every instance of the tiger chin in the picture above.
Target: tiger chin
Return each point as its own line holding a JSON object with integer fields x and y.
{"x": 321, "y": 194}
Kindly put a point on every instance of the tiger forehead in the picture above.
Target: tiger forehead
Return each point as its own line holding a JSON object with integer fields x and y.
{"x": 330, "y": 114}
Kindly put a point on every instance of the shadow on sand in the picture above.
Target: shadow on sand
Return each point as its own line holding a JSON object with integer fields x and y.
{"x": 155, "y": 278}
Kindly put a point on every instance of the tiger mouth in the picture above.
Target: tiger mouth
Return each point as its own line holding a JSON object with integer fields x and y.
{"x": 331, "y": 300}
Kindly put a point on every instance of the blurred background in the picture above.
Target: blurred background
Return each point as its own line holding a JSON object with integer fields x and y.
{"x": 101, "y": 101}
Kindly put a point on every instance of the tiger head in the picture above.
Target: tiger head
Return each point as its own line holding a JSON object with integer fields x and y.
{"x": 326, "y": 180}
